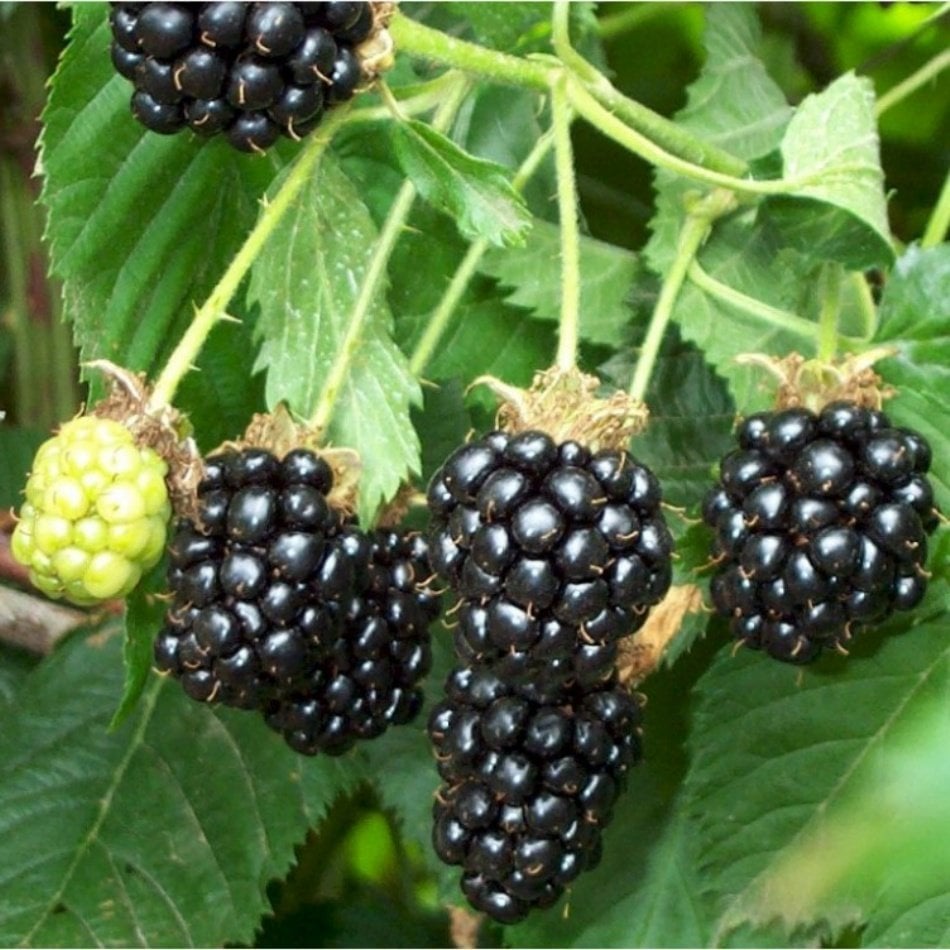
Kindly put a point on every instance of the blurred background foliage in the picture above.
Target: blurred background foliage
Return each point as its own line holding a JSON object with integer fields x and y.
{"x": 357, "y": 883}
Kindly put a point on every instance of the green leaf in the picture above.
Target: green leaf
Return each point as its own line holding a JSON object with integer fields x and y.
{"x": 775, "y": 747}
{"x": 140, "y": 225}
{"x": 531, "y": 277}
{"x": 163, "y": 833}
{"x": 915, "y": 319}
{"x": 840, "y": 866}
{"x": 15, "y": 664}
{"x": 475, "y": 192}
{"x": 306, "y": 283}
{"x": 839, "y": 212}
{"x": 144, "y": 612}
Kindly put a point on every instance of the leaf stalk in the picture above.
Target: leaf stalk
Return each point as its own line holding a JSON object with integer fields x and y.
{"x": 699, "y": 222}
{"x": 570, "y": 234}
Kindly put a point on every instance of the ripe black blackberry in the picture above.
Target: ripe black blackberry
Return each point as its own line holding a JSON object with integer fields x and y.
{"x": 281, "y": 604}
{"x": 252, "y": 71}
{"x": 370, "y": 677}
{"x": 261, "y": 583}
{"x": 556, "y": 553}
{"x": 821, "y": 524}
{"x": 530, "y": 777}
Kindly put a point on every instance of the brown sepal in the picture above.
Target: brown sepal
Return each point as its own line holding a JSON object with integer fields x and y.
{"x": 163, "y": 429}
{"x": 641, "y": 653}
{"x": 566, "y": 405}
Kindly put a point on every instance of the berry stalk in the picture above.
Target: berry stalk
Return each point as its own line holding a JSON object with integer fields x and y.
{"x": 602, "y": 118}
{"x": 215, "y": 306}
{"x": 439, "y": 321}
{"x": 784, "y": 319}
{"x": 927, "y": 73}
{"x": 696, "y": 228}
{"x": 567, "y": 217}
{"x": 395, "y": 222}
{"x": 829, "y": 289}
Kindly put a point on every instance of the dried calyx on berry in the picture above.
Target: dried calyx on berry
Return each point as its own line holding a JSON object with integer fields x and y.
{"x": 530, "y": 776}
{"x": 551, "y": 534}
{"x": 820, "y": 516}
{"x": 97, "y": 499}
{"x": 281, "y": 604}
{"x": 249, "y": 71}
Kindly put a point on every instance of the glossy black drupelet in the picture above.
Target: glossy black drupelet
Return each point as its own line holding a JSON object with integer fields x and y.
{"x": 371, "y": 676}
{"x": 530, "y": 777}
{"x": 556, "y": 553}
{"x": 821, "y": 524}
{"x": 250, "y": 71}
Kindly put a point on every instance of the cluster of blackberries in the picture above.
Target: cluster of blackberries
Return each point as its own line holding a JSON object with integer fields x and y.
{"x": 821, "y": 523}
{"x": 280, "y": 604}
{"x": 252, "y": 71}
{"x": 531, "y": 774}
{"x": 556, "y": 554}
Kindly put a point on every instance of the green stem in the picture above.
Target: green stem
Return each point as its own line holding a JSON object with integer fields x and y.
{"x": 561, "y": 41}
{"x": 215, "y": 306}
{"x": 939, "y": 222}
{"x": 417, "y": 40}
{"x": 930, "y": 70}
{"x": 439, "y": 321}
{"x": 423, "y": 98}
{"x": 661, "y": 131}
{"x": 868, "y": 309}
{"x": 696, "y": 228}
{"x": 570, "y": 233}
{"x": 591, "y": 110}
{"x": 829, "y": 290}
{"x": 616, "y": 24}
{"x": 375, "y": 272}
{"x": 783, "y": 319}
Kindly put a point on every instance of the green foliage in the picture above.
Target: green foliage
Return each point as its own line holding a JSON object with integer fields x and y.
{"x": 475, "y": 192}
{"x": 831, "y": 146}
{"x": 164, "y": 822}
{"x": 530, "y": 272}
{"x": 164, "y": 832}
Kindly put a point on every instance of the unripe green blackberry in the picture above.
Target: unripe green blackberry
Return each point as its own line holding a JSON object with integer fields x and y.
{"x": 95, "y": 514}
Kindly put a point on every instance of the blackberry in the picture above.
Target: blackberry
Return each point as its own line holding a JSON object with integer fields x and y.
{"x": 259, "y": 581}
{"x": 557, "y": 553}
{"x": 530, "y": 777}
{"x": 95, "y": 514}
{"x": 370, "y": 677}
{"x": 821, "y": 523}
{"x": 250, "y": 71}
{"x": 281, "y": 604}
